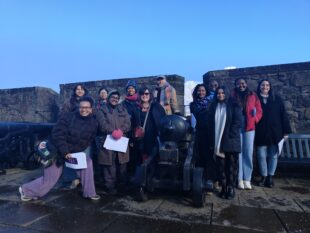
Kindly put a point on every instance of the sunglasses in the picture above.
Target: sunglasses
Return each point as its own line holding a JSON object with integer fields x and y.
{"x": 114, "y": 97}
{"x": 146, "y": 93}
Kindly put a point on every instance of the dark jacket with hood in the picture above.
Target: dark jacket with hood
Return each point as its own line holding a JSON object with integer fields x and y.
{"x": 230, "y": 142}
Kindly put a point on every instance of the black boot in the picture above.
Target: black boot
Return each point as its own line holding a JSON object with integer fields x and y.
{"x": 230, "y": 194}
{"x": 141, "y": 195}
{"x": 222, "y": 194}
{"x": 262, "y": 181}
{"x": 269, "y": 182}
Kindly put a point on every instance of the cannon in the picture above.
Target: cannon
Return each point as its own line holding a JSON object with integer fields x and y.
{"x": 18, "y": 140}
{"x": 173, "y": 166}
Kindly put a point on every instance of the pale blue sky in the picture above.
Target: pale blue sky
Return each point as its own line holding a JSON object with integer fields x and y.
{"x": 45, "y": 43}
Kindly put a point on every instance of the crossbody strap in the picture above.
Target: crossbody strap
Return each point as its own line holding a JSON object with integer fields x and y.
{"x": 147, "y": 114}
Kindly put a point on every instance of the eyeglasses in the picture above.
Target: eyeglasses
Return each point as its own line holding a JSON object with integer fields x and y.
{"x": 146, "y": 93}
{"x": 114, "y": 97}
{"x": 85, "y": 108}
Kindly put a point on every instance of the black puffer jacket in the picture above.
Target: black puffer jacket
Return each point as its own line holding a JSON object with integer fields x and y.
{"x": 231, "y": 136}
{"x": 74, "y": 133}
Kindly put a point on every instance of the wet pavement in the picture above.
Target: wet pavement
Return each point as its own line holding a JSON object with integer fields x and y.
{"x": 285, "y": 208}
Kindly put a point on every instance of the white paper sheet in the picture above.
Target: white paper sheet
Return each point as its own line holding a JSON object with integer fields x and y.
{"x": 79, "y": 161}
{"x": 119, "y": 145}
{"x": 280, "y": 145}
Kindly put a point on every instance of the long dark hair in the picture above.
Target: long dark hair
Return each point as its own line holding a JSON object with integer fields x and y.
{"x": 195, "y": 95}
{"x": 74, "y": 90}
{"x": 270, "y": 93}
{"x": 103, "y": 88}
{"x": 226, "y": 92}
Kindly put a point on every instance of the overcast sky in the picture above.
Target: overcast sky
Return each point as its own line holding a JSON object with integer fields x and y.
{"x": 45, "y": 43}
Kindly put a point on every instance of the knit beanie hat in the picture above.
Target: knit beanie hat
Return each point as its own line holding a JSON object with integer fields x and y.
{"x": 113, "y": 92}
{"x": 132, "y": 83}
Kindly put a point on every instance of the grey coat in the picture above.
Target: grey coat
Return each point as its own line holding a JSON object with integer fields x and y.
{"x": 110, "y": 119}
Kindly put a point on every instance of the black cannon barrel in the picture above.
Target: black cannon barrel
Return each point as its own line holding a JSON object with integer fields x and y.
{"x": 24, "y": 127}
{"x": 173, "y": 128}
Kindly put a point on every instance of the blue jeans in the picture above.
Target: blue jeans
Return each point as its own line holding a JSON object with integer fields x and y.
{"x": 267, "y": 157}
{"x": 246, "y": 155}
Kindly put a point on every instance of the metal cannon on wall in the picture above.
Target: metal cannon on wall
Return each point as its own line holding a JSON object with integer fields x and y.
{"x": 174, "y": 166}
{"x": 18, "y": 140}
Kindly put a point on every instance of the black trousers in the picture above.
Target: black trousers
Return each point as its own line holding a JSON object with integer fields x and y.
{"x": 228, "y": 169}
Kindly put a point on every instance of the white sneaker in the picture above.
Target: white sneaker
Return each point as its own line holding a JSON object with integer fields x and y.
{"x": 240, "y": 184}
{"x": 22, "y": 195}
{"x": 74, "y": 184}
{"x": 247, "y": 185}
{"x": 95, "y": 198}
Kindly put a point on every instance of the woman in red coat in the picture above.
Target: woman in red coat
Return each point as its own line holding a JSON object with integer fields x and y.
{"x": 251, "y": 115}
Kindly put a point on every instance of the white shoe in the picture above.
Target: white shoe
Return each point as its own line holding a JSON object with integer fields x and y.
{"x": 95, "y": 198}
{"x": 247, "y": 185}
{"x": 74, "y": 184}
{"x": 240, "y": 184}
{"x": 22, "y": 195}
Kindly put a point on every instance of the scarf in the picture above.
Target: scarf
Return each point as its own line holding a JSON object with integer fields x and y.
{"x": 220, "y": 121}
{"x": 201, "y": 104}
{"x": 133, "y": 97}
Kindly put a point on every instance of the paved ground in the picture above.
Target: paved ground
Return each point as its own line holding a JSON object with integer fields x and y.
{"x": 285, "y": 208}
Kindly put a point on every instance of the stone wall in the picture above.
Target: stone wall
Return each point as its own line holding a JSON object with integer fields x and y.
{"x": 93, "y": 86}
{"x": 31, "y": 104}
{"x": 290, "y": 81}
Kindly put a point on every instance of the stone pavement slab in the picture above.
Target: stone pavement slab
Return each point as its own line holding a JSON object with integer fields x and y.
{"x": 16, "y": 229}
{"x": 202, "y": 228}
{"x": 248, "y": 218}
{"x": 294, "y": 222}
{"x": 22, "y": 214}
{"x": 74, "y": 221}
{"x": 143, "y": 225}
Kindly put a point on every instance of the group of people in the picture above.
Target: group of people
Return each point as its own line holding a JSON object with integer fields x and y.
{"x": 229, "y": 124}
{"x": 83, "y": 121}
{"x": 226, "y": 125}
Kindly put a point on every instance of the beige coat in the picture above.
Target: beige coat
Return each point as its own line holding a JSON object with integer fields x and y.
{"x": 109, "y": 120}
{"x": 168, "y": 99}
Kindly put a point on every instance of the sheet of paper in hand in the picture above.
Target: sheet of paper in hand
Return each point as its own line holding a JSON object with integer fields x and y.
{"x": 78, "y": 161}
{"x": 119, "y": 145}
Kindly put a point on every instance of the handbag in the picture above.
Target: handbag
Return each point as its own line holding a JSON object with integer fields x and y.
{"x": 140, "y": 131}
{"x": 46, "y": 153}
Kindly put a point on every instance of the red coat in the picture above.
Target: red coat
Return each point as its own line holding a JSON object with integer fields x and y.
{"x": 252, "y": 101}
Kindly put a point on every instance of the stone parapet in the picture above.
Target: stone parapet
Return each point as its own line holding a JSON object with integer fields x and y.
{"x": 30, "y": 104}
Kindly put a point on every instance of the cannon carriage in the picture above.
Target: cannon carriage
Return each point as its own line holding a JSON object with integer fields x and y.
{"x": 18, "y": 140}
{"x": 173, "y": 166}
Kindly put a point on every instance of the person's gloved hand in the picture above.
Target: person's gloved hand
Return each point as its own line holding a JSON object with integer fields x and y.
{"x": 117, "y": 134}
{"x": 254, "y": 112}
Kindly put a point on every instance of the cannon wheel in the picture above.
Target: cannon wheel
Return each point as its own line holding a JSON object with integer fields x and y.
{"x": 198, "y": 187}
{"x": 31, "y": 162}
